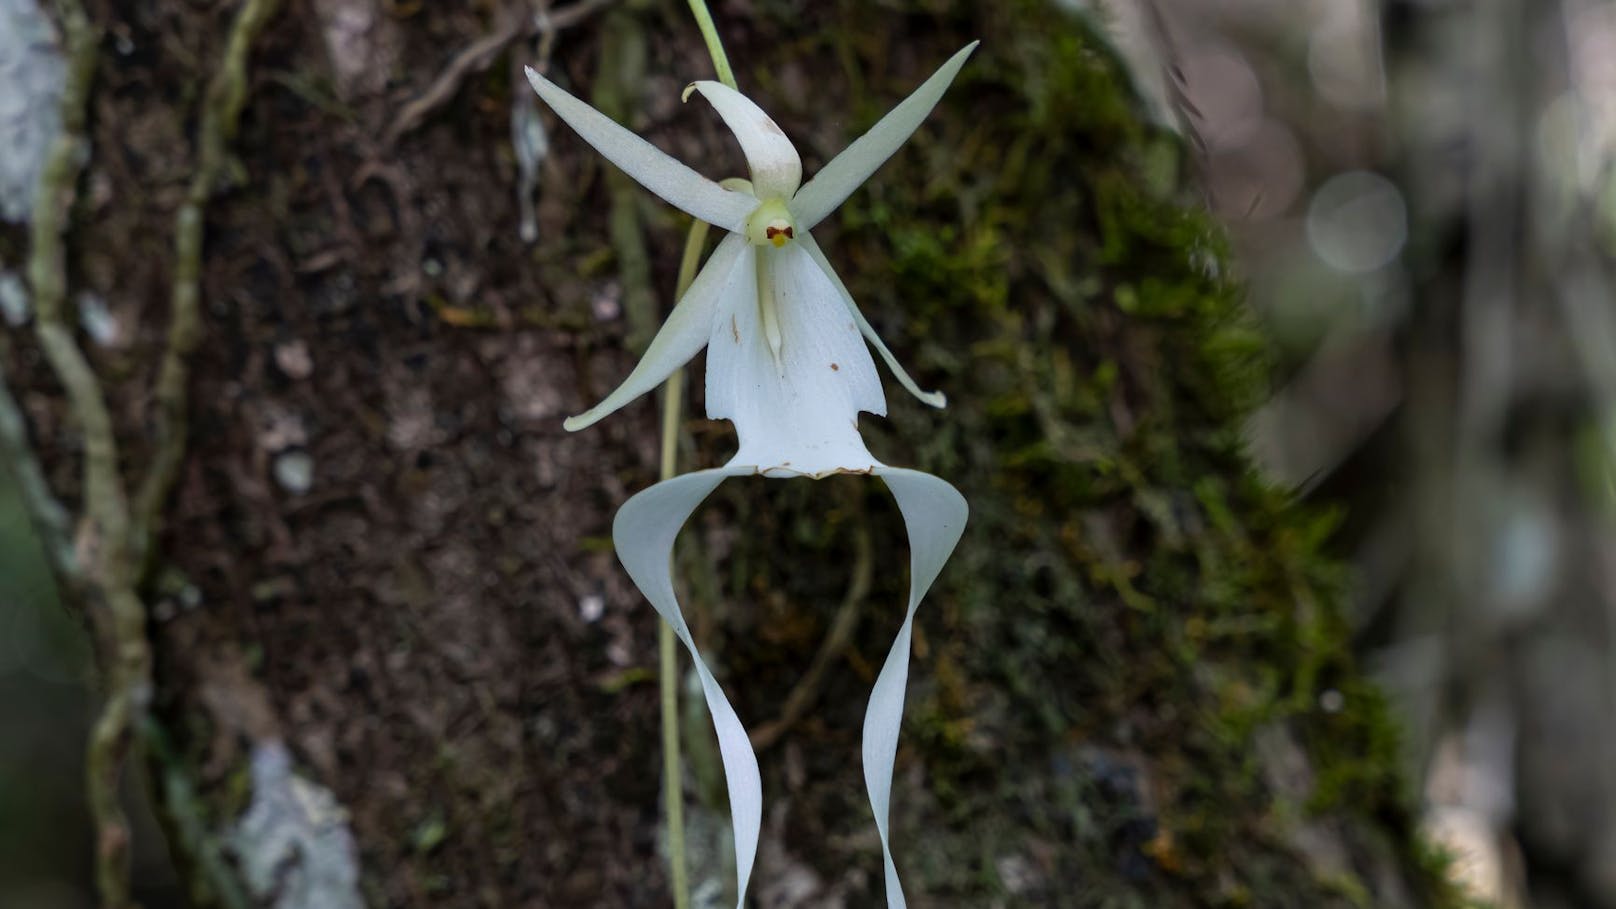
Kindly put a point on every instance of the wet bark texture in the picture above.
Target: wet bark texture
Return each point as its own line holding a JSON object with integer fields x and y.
{"x": 1130, "y": 688}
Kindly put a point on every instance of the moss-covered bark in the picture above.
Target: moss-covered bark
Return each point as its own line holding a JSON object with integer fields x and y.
{"x": 1136, "y": 687}
{"x": 1130, "y": 688}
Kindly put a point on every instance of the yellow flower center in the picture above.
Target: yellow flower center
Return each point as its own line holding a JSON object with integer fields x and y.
{"x": 771, "y": 223}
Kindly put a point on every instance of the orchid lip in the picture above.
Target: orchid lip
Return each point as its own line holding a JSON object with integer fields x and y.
{"x": 934, "y": 516}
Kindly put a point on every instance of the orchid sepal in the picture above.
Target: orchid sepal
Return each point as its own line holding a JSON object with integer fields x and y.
{"x": 776, "y": 168}
{"x": 847, "y": 171}
{"x": 686, "y": 331}
{"x": 650, "y": 166}
{"x": 931, "y": 398}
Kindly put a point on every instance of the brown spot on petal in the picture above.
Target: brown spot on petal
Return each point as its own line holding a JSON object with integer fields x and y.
{"x": 834, "y": 367}
{"x": 734, "y": 329}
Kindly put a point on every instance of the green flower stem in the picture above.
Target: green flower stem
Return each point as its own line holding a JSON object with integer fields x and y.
{"x": 715, "y": 47}
{"x": 667, "y": 656}
{"x": 672, "y": 401}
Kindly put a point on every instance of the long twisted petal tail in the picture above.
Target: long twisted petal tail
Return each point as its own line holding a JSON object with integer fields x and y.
{"x": 775, "y": 165}
{"x": 934, "y": 398}
{"x": 848, "y": 170}
{"x": 684, "y": 333}
{"x": 934, "y": 513}
{"x": 643, "y": 533}
{"x": 677, "y": 184}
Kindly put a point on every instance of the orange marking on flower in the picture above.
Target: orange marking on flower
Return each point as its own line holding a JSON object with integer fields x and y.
{"x": 779, "y": 235}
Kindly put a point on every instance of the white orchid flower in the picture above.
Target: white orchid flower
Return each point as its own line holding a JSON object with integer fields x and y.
{"x": 788, "y": 364}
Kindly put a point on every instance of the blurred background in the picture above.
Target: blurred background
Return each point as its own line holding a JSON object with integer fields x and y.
{"x": 1421, "y": 200}
{"x": 1421, "y": 196}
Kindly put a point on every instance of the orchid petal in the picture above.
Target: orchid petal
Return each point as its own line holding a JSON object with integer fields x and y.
{"x": 643, "y": 533}
{"x": 677, "y": 184}
{"x": 775, "y": 165}
{"x": 934, "y": 514}
{"x": 795, "y": 412}
{"x": 687, "y": 329}
{"x": 933, "y": 398}
{"x": 848, "y": 170}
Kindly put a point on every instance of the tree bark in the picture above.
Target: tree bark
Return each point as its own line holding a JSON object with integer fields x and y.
{"x": 395, "y": 659}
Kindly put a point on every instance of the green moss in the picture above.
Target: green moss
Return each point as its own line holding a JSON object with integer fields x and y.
{"x": 1133, "y": 610}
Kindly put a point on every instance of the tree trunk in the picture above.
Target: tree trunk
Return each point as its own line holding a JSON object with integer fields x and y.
{"x": 383, "y": 610}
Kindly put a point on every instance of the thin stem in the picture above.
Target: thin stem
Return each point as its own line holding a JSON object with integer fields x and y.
{"x": 221, "y": 113}
{"x": 119, "y": 616}
{"x": 667, "y": 655}
{"x": 673, "y": 389}
{"x": 835, "y": 643}
{"x": 672, "y": 401}
{"x": 715, "y": 47}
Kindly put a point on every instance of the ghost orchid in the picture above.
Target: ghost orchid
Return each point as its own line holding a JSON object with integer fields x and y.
{"x": 788, "y": 365}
